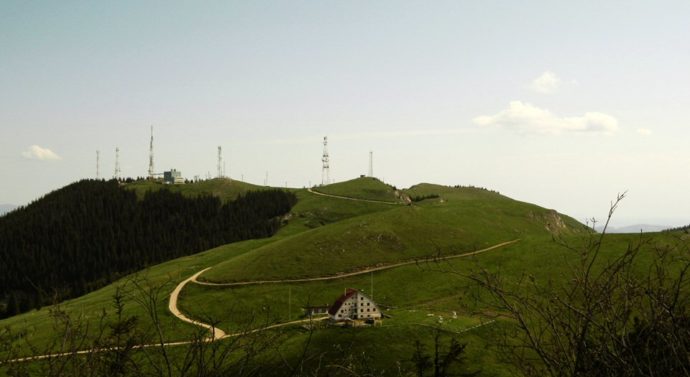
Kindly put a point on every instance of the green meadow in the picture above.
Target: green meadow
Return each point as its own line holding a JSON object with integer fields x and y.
{"x": 327, "y": 236}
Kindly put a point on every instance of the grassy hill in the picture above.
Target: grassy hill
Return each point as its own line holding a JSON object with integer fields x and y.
{"x": 330, "y": 235}
{"x": 401, "y": 233}
{"x": 418, "y": 299}
{"x": 367, "y": 188}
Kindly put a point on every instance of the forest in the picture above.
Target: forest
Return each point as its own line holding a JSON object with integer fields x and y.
{"x": 87, "y": 234}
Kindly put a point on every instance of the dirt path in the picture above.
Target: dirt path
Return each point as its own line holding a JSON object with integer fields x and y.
{"x": 349, "y": 274}
{"x": 166, "y": 344}
{"x": 216, "y": 333}
{"x": 354, "y": 199}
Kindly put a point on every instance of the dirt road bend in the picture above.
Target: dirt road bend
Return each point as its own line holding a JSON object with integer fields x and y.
{"x": 216, "y": 333}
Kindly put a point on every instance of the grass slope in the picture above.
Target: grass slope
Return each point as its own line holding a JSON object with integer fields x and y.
{"x": 38, "y": 327}
{"x": 416, "y": 297}
{"x": 366, "y": 188}
{"x": 329, "y": 235}
{"x": 452, "y": 225}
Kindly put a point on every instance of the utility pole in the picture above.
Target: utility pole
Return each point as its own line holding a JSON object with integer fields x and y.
{"x": 220, "y": 162}
{"x": 151, "y": 170}
{"x": 325, "y": 167}
{"x": 371, "y": 164}
{"x": 116, "y": 173}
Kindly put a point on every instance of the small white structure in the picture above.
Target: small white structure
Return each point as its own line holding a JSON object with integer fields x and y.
{"x": 173, "y": 177}
{"x": 354, "y": 305}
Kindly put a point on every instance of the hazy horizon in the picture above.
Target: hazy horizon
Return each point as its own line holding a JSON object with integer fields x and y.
{"x": 559, "y": 105}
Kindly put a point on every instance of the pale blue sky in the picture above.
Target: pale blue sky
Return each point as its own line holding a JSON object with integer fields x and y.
{"x": 443, "y": 92}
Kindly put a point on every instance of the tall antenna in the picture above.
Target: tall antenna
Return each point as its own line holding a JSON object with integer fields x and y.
{"x": 151, "y": 170}
{"x": 266, "y": 179}
{"x": 116, "y": 174}
{"x": 324, "y": 159}
{"x": 98, "y": 164}
{"x": 371, "y": 163}
{"x": 220, "y": 162}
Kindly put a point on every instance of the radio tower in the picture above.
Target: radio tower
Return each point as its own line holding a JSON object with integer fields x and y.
{"x": 325, "y": 169}
{"x": 151, "y": 171}
{"x": 371, "y": 164}
{"x": 98, "y": 164}
{"x": 220, "y": 162}
{"x": 116, "y": 174}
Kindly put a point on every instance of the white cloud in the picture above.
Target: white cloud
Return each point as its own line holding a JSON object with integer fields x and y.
{"x": 36, "y": 152}
{"x": 526, "y": 118}
{"x": 547, "y": 83}
{"x": 644, "y": 131}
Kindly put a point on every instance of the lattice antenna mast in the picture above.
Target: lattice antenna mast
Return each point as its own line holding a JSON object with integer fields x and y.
{"x": 151, "y": 170}
{"x": 116, "y": 173}
{"x": 220, "y": 162}
{"x": 371, "y": 163}
{"x": 98, "y": 164}
{"x": 325, "y": 170}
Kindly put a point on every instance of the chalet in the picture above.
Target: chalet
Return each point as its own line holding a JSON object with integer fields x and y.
{"x": 354, "y": 305}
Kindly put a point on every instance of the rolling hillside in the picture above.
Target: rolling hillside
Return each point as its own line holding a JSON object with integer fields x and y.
{"x": 365, "y": 188}
{"x": 412, "y": 258}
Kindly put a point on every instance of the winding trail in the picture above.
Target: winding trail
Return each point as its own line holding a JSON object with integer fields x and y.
{"x": 165, "y": 344}
{"x": 354, "y": 199}
{"x": 216, "y": 333}
{"x": 367, "y": 270}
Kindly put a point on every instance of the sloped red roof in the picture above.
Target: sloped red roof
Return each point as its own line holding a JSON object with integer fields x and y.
{"x": 339, "y": 302}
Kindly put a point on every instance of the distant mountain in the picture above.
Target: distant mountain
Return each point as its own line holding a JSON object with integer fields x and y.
{"x": 637, "y": 228}
{"x": 4, "y": 208}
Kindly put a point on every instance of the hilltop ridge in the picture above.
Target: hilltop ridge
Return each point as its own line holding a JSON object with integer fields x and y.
{"x": 335, "y": 232}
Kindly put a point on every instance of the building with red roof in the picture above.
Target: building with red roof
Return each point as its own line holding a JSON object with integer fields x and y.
{"x": 354, "y": 305}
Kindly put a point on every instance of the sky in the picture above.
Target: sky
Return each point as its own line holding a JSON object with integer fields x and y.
{"x": 561, "y": 104}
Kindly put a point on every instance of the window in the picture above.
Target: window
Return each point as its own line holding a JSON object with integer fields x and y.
{"x": 374, "y": 309}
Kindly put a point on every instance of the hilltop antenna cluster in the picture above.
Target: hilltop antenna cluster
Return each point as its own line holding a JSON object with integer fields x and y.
{"x": 371, "y": 164}
{"x": 116, "y": 173}
{"x": 98, "y": 164}
{"x": 325, "y": 170}
{"x": 220, "y": 162}
{"x": 151, "y": 171}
